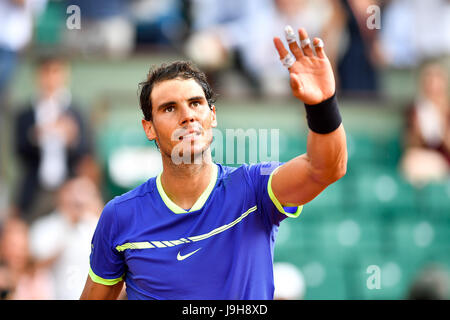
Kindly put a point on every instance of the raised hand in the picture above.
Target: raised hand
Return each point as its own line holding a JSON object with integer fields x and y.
{"x": 311, "y": 76}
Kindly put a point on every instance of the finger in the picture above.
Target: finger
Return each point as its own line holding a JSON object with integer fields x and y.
{"x": 280, "y": 47}
{"x": 286, "y": 58}
{"x": 318, "y": 46}
{"x": 292, "y": 41}
{"x": 305, "y": 42}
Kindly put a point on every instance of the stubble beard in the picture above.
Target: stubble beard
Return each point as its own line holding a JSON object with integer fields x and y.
{"x": 187, "y": 155}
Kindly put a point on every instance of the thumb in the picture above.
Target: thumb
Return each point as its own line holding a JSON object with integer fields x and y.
{"x": 296, "y": 84}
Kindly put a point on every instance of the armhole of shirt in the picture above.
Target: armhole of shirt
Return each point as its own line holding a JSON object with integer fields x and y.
{"x": 278, "y": 204}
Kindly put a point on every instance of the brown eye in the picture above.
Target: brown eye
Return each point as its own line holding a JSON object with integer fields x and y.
{"x": 169, "y": 109}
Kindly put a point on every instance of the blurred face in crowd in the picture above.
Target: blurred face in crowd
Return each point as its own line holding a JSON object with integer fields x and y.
{"x": 14, "y": 244}
{"x": 69, "y": 202}
{"x": 51, "y": 76}
{"x": 434, "y": 81}
{"x": 182, "y": 118}
{"x": 289, "y": 7}
{"x": 77, "y": 198}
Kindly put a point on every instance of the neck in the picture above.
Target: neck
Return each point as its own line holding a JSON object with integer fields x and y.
{"x": 184, "y": 183}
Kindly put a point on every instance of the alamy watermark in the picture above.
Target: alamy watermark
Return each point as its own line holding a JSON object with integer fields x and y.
{"x": 374, "y": 19}
{"x": 233, "y": 146}
{"x": 374, "y": 280}
{"x": 73, "y": 21}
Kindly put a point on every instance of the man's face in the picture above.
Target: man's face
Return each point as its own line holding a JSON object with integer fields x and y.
{"x": 51, "y": 77}
{"x": 182, "y": 120}
{"x": 434, "y": 81}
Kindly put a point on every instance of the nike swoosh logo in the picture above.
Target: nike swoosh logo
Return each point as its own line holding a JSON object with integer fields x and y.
{"x": 180, "y": 257}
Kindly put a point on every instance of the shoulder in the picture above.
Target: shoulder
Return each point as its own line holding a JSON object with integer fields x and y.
{"x": 143, "y": 190}
{"x": 260, "y": 170}
{"x": 76, "y": 112}
{"x": 227, "y": 173}
{"x": 245, "y": 167}
{"x": 124, "y": 205}
{"x": 47, "y": 226}
{"x": 410, "y": 109}
{"x": 26, "y": 113}
{"x": 122, "y": 208}
{"x": 52, "y": 219}
{"x": 253, "y": 174}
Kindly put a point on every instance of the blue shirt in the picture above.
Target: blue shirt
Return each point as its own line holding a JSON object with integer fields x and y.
{"x": 222, "y": 248}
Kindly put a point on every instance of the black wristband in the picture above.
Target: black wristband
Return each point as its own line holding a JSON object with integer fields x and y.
{"x": 323, "y": 117}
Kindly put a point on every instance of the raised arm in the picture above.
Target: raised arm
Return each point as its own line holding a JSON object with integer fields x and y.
{"x": 312, "y": 81}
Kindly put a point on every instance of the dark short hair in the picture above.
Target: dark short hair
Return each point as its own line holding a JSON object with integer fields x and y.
{"x": 46, "y": 58}
{"x": 178, "y": 69}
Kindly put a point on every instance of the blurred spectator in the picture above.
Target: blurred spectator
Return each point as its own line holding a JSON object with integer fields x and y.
{"x": 16, "y": 18}
{"x": 106, "y": 29}
{"x": 4, "y": 203}
{"x": 61, "y": 240}
{"x": 360, "y": 54}
{"x": 432, "y": 283}
{"x": 16, "y": 21}
{"x": 5, "y": 282}
{"x": 427, "y": 137}
{"x": 409, "y": 31}
{"x": 289, "y": 282}
{"x": 159, "y": 22}
{"x": 20, "y": 277}
{"x": 249, "y": 33}
{"x": 51, "y": 140}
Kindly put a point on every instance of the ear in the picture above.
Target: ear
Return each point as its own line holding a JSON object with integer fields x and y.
{"x": 149, "y": 129}
{"x": 213, "y": 117}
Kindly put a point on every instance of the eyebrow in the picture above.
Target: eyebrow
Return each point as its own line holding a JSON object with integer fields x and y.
{"x": 169, "y": 103}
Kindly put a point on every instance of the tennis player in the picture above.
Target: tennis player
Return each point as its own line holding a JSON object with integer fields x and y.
{"x": 200, "y": 230}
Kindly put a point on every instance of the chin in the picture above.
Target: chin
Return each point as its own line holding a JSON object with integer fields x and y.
{"x": 194, "y": 153}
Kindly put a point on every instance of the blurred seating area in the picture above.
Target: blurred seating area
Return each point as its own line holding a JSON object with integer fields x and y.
{"x": 382, "y": 215}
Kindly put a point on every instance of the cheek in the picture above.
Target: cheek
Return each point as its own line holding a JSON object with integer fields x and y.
{"x": 166, "y": 137}
{"x": 209, "y": 133}
{"x": 209, "y": 120}
{"x": 162, "y": 129}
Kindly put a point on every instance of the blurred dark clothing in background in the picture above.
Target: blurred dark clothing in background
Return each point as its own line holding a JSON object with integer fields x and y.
{"x": 30, "y": 154}
{"x": 357, "y": 70}
{"x": 52, "y": 139}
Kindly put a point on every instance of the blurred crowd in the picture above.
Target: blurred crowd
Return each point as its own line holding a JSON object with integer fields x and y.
{"x": 48, "y": 220}
{"x": 361, "y": 36}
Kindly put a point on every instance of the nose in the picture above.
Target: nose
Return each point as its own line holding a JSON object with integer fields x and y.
{"x": 187, "y": 115}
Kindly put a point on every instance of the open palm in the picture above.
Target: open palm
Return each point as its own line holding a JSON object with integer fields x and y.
{"x": 311, "y": 76}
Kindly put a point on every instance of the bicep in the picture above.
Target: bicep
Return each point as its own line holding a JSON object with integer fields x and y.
{"x": 293, "y": 182}
{"x": 97, "y": 291}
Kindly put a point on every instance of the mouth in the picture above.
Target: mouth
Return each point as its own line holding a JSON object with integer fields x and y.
{"x": 190, "y": 135}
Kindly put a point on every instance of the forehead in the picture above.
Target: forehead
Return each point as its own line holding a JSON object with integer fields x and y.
{"x": 175, "y": 90}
